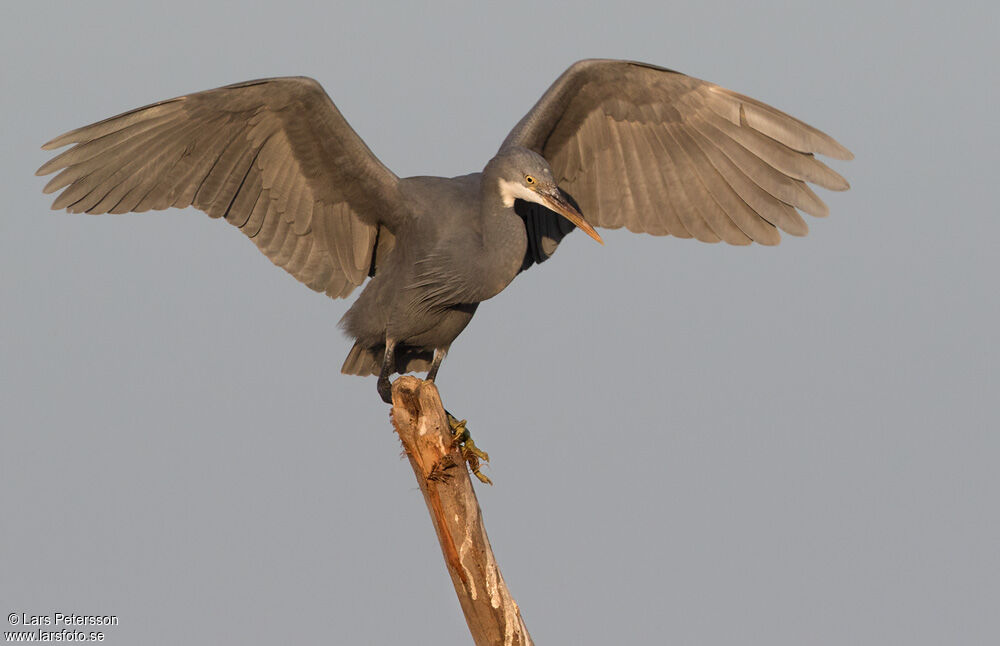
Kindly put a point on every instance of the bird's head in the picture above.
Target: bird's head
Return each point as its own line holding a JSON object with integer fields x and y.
{"x": 524, "y": 174}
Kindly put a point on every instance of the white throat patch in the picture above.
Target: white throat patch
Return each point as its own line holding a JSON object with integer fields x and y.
{"x": 510, "y": 191}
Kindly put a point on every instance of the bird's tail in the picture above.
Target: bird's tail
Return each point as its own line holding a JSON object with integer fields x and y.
{"x": 362, "y": 361}
{"x": 367, "y": 360}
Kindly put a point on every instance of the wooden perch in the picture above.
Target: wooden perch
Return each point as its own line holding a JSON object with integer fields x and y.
{"x": 493, "y": 617}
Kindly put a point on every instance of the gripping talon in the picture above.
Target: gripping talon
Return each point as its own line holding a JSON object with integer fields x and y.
{"x": 471, "y": 453}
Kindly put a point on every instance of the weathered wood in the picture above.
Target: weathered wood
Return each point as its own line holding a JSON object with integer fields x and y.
{"x": 419, "y": 417}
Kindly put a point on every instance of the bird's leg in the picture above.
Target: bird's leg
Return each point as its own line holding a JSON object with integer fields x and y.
{"x": 439, "y": 355}
{"x": 460, "y": 435}
{"x": 388, "y": 367}
{"x": 470, "y": 452}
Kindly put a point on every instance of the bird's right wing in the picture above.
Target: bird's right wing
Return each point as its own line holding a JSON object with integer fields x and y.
{"x": 273, "y": 157}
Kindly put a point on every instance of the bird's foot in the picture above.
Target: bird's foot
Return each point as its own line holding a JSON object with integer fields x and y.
{"x": 384, "y": 387}
{"x": 471, "y": 453}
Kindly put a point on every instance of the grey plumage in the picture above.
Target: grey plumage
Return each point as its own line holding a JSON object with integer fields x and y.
{"x": 622, "y": 143}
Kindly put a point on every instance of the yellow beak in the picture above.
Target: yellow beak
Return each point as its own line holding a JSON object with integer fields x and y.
{"x": 553, "y": 199}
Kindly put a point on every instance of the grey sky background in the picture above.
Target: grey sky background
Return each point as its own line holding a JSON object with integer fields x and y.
{"x": 692, "y": 444}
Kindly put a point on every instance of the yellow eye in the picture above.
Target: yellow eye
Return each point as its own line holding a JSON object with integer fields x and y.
{"x": 529, "y": 179}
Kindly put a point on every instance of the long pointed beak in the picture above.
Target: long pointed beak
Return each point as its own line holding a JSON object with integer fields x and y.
{"x": 554, "y": 200}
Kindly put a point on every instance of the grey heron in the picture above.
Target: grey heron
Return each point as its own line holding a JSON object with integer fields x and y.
{"x": 609, "y": 144}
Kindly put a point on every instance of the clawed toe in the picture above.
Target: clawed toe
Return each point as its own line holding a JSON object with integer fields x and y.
{"x": 471, "y": 453}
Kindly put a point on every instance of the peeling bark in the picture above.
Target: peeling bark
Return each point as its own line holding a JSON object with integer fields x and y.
{"x": 491, "y": 613}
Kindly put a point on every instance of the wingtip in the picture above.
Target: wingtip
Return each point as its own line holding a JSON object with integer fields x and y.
{"x": 48, "y": 167}
{"x": 800, "y": 231}
{"x": 50, "y": 187}
{"x": 54, "y": 143}
{"x": 839, "y": 183}
{"x": 841, "y": 153}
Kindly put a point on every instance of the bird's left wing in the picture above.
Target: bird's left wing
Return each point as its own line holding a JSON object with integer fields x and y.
{"x": 663, "y": 153}
{"x": 273, "y": 157}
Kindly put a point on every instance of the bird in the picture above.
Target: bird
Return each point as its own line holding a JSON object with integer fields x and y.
{"x": 610, "y": 144}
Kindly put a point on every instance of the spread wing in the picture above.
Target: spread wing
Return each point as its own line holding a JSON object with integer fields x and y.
{"x": 659, "y": 152}
{"x": 273, "y": 157}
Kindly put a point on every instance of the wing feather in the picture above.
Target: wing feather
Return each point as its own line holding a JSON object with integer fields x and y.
{"x": 618, "y": 162}
{"x": 241, "y": 205}
{"x": 196, "y": 161}
{"x": 732, "y": 220}
{"x": 82, "y": 177}
{"x": 781, "y": 186}
{"x": 780, "y": 157}
{"x": 299, "y": 260}
{"x": 697, "y": 185}
{"x": 758, "y": 200}
{"x": 162, "y": 164}
{"x": 664, "y": 218}
{"x": 653, "y": 217}
{"x": 256, "y": 220}
{"x": 684, "y": 189}
{"x": 221, "y": 182}
{"x": 271, "y": 230}
{"x": 283, "y": 243}
{"x": 637, "y": 202}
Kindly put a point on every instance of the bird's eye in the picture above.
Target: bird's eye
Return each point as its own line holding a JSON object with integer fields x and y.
{"x": 529, "y": 179}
